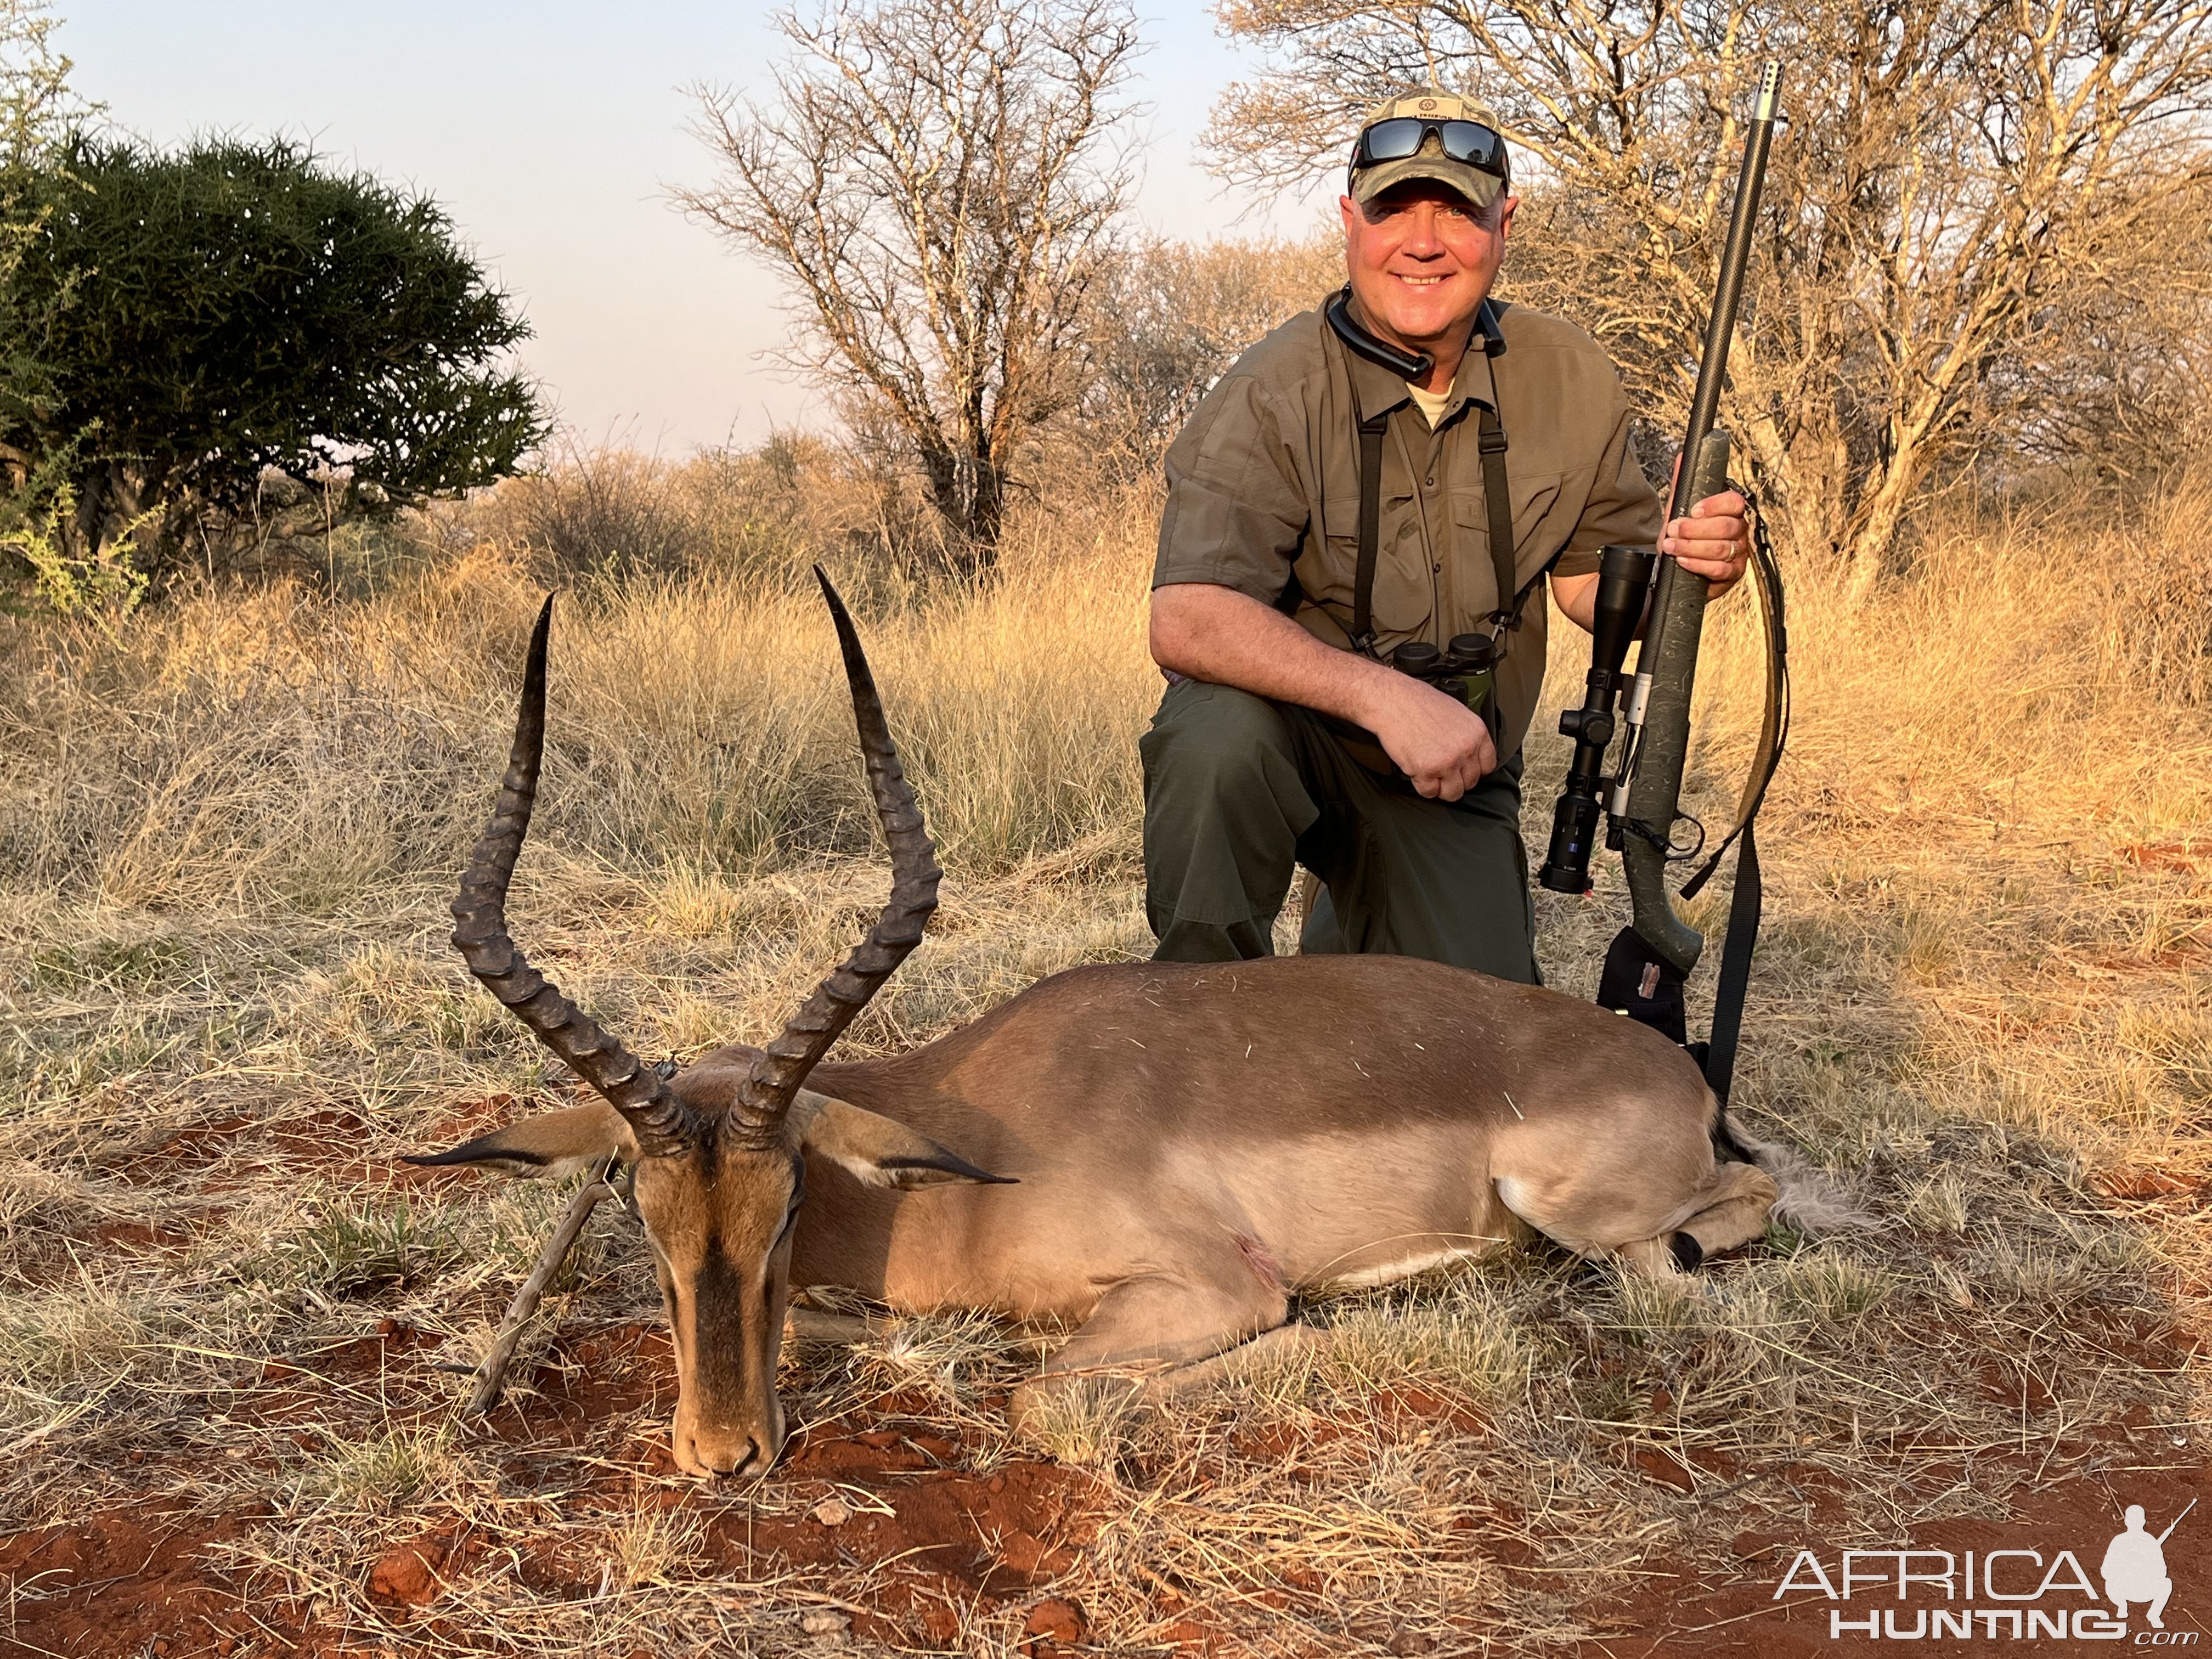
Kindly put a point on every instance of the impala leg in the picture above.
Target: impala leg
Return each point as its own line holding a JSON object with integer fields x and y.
{"x": 1661, "y": 1214}
{"x": 1143, "y": 1328}
{"x": 1741, "y": 1197}
{"x": 1738, "y": 1200}
{"x": 491, "y": 1376}
{"x": 1284, "y": 1342}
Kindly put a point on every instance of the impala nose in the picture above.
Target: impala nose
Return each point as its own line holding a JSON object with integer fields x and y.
{"x": 730, "y": 1456}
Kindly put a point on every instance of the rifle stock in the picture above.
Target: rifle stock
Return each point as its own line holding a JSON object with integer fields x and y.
{"x": 1672, "y": 637}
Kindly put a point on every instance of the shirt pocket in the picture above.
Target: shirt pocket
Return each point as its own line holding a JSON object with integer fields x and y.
{"x": 1405, "y": 596}
{"x": 1534, "y": 495}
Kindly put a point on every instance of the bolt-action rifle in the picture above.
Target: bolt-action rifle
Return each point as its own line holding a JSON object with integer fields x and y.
{"x": 1650, "y": 960}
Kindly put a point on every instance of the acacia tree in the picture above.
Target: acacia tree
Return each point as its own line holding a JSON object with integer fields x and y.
{"x": 936, "y": 182}
{"x": 1957, "y": 179}
{"x": 37, "y": 112}
{"x": 36, "y": 109}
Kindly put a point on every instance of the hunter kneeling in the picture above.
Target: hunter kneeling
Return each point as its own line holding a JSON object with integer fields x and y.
{"x": 1403, "y": 467}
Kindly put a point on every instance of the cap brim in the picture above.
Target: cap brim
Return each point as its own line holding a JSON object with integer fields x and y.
{"x": 1478, "y": 187}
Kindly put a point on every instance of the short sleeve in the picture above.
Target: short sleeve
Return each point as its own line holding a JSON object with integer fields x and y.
{"x": 1622, "y": 508}
{"x": 1235, "y": 514}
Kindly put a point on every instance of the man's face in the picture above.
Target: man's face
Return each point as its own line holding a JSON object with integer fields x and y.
{"x": 1422, "y": 256}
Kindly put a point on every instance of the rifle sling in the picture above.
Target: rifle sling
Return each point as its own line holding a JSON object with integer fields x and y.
{"x": 1371, "y": 431}
{"x": 1774, "y": 720}
{"x": 1736, "y": 968}
{"x": 1745, "y": 904}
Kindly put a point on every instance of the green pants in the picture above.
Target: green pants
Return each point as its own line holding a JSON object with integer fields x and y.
{"x": 1239, "y": 791}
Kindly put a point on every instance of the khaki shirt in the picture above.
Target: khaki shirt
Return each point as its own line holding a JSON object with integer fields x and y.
{"x": 1263, "y": 483}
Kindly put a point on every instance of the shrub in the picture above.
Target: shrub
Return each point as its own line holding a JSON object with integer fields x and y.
{"x": 236, "y": 307}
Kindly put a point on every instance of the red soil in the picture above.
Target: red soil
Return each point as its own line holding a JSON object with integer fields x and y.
{"x": 954, "y": 1541}
{"x": 123, "y": 1579}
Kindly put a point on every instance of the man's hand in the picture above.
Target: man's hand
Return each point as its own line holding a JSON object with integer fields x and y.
{"x": 1217, "y": 634}
{"x": 1714, "y": 542}
{"x": 1437, "y": 741}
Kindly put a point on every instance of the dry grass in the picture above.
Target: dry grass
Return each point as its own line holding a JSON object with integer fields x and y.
{"x": 227, "y": 836}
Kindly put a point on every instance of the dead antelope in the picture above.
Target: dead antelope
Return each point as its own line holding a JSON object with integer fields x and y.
{"x": 1166, "y": 1154}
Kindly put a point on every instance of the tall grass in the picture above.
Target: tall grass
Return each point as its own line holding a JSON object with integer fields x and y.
{"x": 266, "y": 748}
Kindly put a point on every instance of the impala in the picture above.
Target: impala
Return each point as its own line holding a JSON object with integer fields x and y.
{"x": 1162, "y": 1156}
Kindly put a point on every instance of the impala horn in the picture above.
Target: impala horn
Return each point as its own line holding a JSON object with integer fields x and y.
{"x": 766, "y": 1094}
{"x": 638, "y": 1091}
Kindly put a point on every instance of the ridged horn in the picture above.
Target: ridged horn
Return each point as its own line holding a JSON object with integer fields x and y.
{"x": 634, "y": 1090}
{"x": 766, "y": 1094}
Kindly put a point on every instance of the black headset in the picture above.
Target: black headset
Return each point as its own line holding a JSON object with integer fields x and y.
{"x": 1405, "y": 365}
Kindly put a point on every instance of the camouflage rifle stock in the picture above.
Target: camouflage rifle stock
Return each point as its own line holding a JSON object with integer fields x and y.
{"x": 1648, "y": 961}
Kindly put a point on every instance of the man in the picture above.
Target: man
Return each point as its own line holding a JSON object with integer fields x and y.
{"x": 1255, "y": 592}
{"x": 2134, "y": 1569}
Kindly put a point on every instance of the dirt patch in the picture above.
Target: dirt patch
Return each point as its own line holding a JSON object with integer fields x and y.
{"x": 168, "y": 1155}
{"x": 2133, "y": 1183}
{"x": 49, "y": 1258}
{"x": 133, "y": 1575}
{"x": 949, "y": 1540}
{"x": 958, "y": 1535}
{"x": 585, "y": 1381}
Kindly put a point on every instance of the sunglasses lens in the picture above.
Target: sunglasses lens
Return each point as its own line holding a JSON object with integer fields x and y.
{"x": 1466, "y": 141}
{"x": 1393, "y": 140}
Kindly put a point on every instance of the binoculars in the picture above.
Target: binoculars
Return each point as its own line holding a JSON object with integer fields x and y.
{"x": 1624, "y": 576}
{"x": 1466, "y": 670}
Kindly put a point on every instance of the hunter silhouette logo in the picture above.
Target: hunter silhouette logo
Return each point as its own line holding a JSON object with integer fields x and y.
{"x": 2007, "y": 1595}
{"x": 2135, "y": 1567}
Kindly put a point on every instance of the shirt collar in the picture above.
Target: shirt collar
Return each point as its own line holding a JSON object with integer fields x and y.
{"x": 1379, "y": 390}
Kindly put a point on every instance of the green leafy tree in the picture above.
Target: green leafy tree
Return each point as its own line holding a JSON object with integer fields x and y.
{"x": 207, "y": 314}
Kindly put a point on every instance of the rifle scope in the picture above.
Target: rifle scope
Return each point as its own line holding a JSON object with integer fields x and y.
{"x": 1623, "y": 577}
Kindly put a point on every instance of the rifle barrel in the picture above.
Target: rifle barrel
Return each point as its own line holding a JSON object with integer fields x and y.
{"x": 1666, "y": 666}
{"x": 1728, "y": 293}
{"x": 2176, "y": 1521}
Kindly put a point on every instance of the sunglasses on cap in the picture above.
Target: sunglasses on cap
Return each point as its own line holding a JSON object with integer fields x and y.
{"x": 1403, "y": 135}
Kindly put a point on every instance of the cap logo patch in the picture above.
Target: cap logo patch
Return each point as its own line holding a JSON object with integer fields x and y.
{"x": 1428, "y": 103}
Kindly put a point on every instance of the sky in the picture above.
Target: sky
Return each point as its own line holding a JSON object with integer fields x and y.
{"x": 550, "y": 132}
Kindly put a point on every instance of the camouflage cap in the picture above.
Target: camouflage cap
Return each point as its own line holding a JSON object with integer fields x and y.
{"x": 1478, "y": 186}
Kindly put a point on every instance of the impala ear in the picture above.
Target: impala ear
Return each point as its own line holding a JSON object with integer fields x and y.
{"x": 878, "y": 1151}
{"x": 554, "y": 1144}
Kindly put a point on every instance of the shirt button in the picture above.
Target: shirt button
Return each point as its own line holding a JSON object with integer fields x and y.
{"x": 1433, "y": 481}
